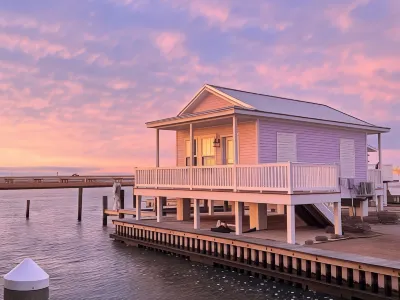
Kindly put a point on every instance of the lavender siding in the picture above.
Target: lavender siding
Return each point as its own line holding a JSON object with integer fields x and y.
{"x": 315, "y": 144}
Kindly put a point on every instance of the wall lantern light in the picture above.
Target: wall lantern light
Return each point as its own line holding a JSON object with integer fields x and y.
{"x": 216, "y": 143}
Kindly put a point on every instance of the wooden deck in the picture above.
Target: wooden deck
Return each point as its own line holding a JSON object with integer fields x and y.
{"x": 386, "y": 245}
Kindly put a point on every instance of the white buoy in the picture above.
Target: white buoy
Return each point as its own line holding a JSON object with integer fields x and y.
{"x": 26, "y": 281}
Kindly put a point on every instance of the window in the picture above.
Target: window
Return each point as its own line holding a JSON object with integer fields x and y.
{"x": 207, "y": 151}
{"x": 347, "y": 158}
{"x": 228, "y": 151}
{"x": 286, "y": 147}
{"x": 187, "y": 152}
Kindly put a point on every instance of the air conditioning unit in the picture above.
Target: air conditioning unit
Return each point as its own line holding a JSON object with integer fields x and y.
{"x": 365, "y": 189}
{"x": 347, "y": 183}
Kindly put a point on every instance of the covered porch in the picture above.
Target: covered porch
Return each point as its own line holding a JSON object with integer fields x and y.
{"x": 212, "y": 165}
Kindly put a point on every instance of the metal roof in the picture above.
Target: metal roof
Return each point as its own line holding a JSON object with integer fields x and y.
{"x": 285, "y": 106}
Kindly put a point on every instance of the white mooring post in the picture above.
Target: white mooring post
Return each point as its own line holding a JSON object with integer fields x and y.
{"x": 27, "y": 281}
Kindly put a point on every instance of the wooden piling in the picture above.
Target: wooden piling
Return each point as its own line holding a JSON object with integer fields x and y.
{"x": 122, "y": 198}
{"x": 105, "y": 206}
{"x": 164, "y": 203}
{"x": 80, "y": 204}
{"x": 28, "y": 204}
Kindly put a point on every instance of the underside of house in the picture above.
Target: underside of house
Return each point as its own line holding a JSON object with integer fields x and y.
{"x": 243, "y": 147}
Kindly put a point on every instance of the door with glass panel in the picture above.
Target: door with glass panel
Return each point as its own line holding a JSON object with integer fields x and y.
{"x": 207, "y": 151}
{"x": 187, "y": 152}
{"x": 227, "y": 144}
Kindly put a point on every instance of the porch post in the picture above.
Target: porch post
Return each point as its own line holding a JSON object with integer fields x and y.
{"x": 280, "y": 209}
{"x": 138, "y": 206}
{"x": 258, "y": 215}
{"x": 211, "y": 207}
{"x": 379, "y": 203}
{"x": 159, "y": 208}
{"x": 235, "y": 141}
{"x": 183, "y": 209}
{"x": 337, "y": 212}
{"x": 235, "y": 152}
{"x": 191, "y": 154}
{"x": 291, "y": 224}
{"x": 239, "y": 218}
{"x": 157, "y": 148}
{"x": 380, "y": 150}
{"x": 196, "y": 213}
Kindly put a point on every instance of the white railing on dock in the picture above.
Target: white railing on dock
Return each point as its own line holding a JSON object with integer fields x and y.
{"x": 375, "y": 176}
{"x": 281, "y": 177}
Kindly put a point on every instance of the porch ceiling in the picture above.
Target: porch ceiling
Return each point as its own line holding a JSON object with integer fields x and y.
{"x": 206, "y": 120}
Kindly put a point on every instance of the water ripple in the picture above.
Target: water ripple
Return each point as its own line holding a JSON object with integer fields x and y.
{"x": 83, "y": 263}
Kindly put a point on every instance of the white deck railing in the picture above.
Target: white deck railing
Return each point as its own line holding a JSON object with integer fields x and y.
{"x": 375, "y": 176}
{"x": 279, "y": 177}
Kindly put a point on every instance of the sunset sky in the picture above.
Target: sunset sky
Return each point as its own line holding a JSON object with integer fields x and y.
{"x": 79, "y": 78}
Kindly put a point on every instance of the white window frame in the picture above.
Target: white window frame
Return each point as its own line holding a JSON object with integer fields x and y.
{"x": 285, "y": 157}
{"x": 347, "y": 160}
{"x": 187, "y": 141}
{"x": 200, "y": 145}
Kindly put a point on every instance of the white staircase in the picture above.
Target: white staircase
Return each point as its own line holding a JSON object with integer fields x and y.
{"x": 326, "y": 209}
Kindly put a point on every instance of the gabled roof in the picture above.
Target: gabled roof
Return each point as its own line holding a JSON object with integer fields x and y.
{"x": 278, "y": 106}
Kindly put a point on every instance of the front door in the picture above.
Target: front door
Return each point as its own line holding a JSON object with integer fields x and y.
{"x": 228, "y": 151}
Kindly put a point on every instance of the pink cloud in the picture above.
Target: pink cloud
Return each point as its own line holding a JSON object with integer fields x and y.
{"x": 20, "y": 21}
{"x": 36, "y": 48}
{"x": 171, "y": 44}
{"x": 119, "y": 84}
{"x": 339, "y": 14}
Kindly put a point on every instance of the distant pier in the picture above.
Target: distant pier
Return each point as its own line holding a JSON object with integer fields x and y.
{"x": 62, "y": 182}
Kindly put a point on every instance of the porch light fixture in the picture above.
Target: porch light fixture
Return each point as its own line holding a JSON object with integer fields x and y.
{"x": 216, "y": 143}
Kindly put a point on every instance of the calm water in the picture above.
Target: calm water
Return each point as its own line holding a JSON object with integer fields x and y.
{"x": 83, "y": 263}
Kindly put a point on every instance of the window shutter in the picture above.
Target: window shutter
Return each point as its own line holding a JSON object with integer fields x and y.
{"x": 286, "y": 147}
{"x": 347, "y": 158}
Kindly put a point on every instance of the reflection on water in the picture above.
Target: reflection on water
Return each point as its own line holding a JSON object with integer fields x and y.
{"x": 83, "y": 263}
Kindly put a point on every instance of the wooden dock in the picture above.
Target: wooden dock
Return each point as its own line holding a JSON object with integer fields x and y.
{"x": 62, "y": 182}
{"x": 336, "y": 273}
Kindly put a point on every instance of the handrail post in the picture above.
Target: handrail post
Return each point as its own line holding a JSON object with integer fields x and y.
{"x": 156, "y": 178}
{"x": 338, "y": 185}
{"x": 191, "y": 177}
{"x": 290, "y": 177}
{"x": 234, "y": 179}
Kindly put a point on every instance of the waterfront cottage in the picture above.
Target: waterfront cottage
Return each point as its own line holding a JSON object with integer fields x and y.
{"x": 305, "y": 159}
